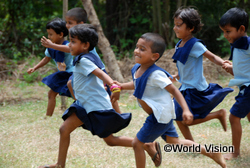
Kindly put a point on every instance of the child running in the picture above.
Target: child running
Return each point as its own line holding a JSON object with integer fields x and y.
{"x": 200, "y": 96}
{"x": 57, "y": 81}
{"x": 147, "y": 79}
{"x": 234, "y": 24}
{"x": 74, "y": 17}
{"x": 92, "y": 109}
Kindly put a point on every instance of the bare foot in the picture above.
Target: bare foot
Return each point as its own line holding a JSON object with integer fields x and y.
{"x": 154, "y": 151}
{"x": 218, "y": 158}
{"x": 230, "y": 156}
{"x": 223, "y": 118}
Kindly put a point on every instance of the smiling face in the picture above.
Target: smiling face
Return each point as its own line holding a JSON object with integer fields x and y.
{"x": 76, "y": 46}
{"x": 71, "y": 22}
{"x": 54, "y": 37}
{"x": 232, "y": 34}
{"x": 143, "y": 52}
{"x": 181, "y": 30}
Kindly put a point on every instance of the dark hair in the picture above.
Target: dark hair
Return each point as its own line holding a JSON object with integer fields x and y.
{"x": 158, "y": 43}
{"x": 235, "y": 17}
{"x": 190, "y": 17}
{"x": 58, "y": 25}
{"x": 85, "y": 33}
{"x": 78, "y": 14}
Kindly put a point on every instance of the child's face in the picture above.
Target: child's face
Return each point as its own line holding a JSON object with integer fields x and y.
{"x": 76, "y": 46}
{"x": 71, "y": 22}
{"x": 143, "y": 53}
{"x": 231, "y": 33}
{"x": 181, "y": 30}
{"x": 54, "y": 37}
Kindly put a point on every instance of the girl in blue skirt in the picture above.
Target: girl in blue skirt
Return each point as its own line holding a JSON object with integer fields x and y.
{"x": 92, "y": 109}
{"x": 200, "y": 96}
{"x": 57, "y": 81}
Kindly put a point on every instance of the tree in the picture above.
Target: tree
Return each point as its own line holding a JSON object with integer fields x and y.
{"x": 103, "y": 44}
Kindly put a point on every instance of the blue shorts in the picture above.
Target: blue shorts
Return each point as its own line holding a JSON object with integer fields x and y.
{"x": 151, "y": 130}
{"x": 242, "y": 105}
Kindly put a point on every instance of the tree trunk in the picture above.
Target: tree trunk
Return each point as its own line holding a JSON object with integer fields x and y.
{"x": 103, "y": 44}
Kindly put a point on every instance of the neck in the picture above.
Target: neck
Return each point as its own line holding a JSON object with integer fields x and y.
{"x": 184, "y": 40}
{"x": 61, "y": 41}
{"x": 142, "y": 69}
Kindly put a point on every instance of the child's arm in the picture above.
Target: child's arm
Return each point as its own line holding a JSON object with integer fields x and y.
{"x": 107, "y": 79}
{"x": 43, "y": 62}
{"x": 48, "y": 44}
{"x": 227, "y": 65}
{"x": 187, "y": 115}
{"x": 213, "y": 58}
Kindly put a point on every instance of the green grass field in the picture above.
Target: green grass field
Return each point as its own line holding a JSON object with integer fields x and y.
{"x": 28, "y": 140}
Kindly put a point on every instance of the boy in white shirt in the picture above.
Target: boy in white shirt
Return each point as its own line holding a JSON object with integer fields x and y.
{"x": 152, "y": 89}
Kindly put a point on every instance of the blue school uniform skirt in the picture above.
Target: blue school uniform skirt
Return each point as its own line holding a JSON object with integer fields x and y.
{"x": 100, "y": 123}
{"x": 201, "y": 103}
{"x": 58, "y": 82}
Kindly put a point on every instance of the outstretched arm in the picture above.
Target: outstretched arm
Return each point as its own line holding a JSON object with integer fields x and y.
{"x": 187, "y": 115}
{"x": 48, "y": 44}
{"x": 43, "y": 62}
{"x": 213, "y": 58}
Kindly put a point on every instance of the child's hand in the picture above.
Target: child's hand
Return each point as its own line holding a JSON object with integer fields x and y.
{"x": 114, "y": 97}
{"x": 46, "y": 42}
{"x": 31, "y": 70}
{"x": 227, "y": 65}
{"x": 187, "y": 117}
{"x": 61, "y": 66}
{"x": 174, "y": 79}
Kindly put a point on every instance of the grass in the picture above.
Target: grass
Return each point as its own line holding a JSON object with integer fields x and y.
{"x": 28, "y": 140}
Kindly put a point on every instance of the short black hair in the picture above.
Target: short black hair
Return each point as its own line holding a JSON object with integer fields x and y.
{"x": 158, "y": 43}
{"x": 190, "y": 17}
{"x": 58, "y": 25}
{"x": 85, "y": 33}
{"x": 235, "y": 17}
{"x": 78, "y": 14}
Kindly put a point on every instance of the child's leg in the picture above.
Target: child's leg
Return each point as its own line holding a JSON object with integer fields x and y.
{"x": 69, "y": 125}
{"x": 112, "y": 140}
{"x": 248, "y": 116}
{"x": 236, "y": 136}
{"x": 69, "y": 84}
{"x": 116, "y": 107}
{"x": 220, "y": 114}
{"x": 51, "y": 102}
{"x": 140, "y": 157}
{"x": 217, "y": 157}
{"x": 185, "y": 130}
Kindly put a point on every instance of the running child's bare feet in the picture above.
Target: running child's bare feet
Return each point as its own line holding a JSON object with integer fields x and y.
{"x": 223, "y": 118}
{"x": 230, "y": 156}
{"x": 218, "y": 158}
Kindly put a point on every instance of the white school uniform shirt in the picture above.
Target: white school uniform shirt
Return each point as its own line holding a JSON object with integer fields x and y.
{"x": 158, "y": 98}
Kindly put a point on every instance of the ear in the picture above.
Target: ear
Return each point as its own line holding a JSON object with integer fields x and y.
{"x": 191, "y": 30}
{"x": 155, "y": 56}
{"x": 86, "y": 46}
{"x": 61, "y": 34}
{"x": 242, "y": 29}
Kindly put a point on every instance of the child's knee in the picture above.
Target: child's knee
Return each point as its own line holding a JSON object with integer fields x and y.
{"x": 63, "y": 130}
{"x": 52, "y": 94}
{"x": 69, "y": 84}
{"x": 136, "y": 143}
{"x": 233, "y": 118}
{"x": 110, "y": 141}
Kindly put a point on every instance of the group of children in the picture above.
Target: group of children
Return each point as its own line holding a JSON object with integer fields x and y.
{"x": 96, "y": 110}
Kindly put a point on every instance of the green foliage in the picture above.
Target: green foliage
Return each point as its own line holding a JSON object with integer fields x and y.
{"x": 224, "y": 45}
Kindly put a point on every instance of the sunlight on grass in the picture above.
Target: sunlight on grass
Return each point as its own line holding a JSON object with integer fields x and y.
{"x": 29, "y": 140}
